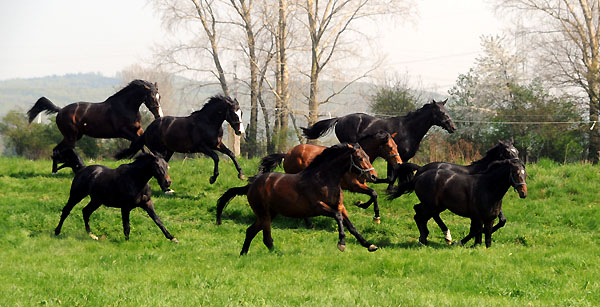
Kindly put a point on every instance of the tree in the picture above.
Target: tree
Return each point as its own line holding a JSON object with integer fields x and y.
{"x": 567, "y": 41}
{"x": 394, "y": 100}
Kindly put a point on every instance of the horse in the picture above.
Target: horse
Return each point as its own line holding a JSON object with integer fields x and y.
{"x": 117, "y": 117}
{"x": 381, "y": 144}
{"x": 476, "y": 196}
{"x": 315, "y": 191}
{"x": 501, "y": 151}
{"x": 125, "y": 187}
{"x": 201, "y": 131}
{"x": 409, "y": 129}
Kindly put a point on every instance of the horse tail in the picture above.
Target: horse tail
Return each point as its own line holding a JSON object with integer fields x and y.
{"x": 406, "y": 180}
{"x": 134, "y": 147}
{"x": 268, "y": 163}
{"x": 42, "y": 104}
{"x": 227, "y": 196}
{"x": 319, "y": 129}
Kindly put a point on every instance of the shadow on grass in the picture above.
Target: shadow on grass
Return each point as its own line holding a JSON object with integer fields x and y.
{"x": 280, "y": 222}
{"x": 32, "y": 174}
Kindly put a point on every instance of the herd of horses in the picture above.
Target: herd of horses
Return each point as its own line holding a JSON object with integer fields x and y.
{"x": 314, "y": 175}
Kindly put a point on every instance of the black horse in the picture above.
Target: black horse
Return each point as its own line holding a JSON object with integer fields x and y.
{"x": 501, "y": 151}
{"x": 201, "y": 131}
{"x": 476, "y": 196}
{"x": 117, "y": 117}
{"x": 409, "y": 129}
{"x": 125, "y": 187}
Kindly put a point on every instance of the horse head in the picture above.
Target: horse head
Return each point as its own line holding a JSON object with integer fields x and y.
{"x": 441, "y": 117}
{"x": 360, "y": 164}
{"x": 234, "y": 116}
{"x": 152, "y": 100}
{"x": 508, "y": 150}
{"x": 518, "y": 176}
{"x": 159, "y": 168}
{"x": 385, "y": 146}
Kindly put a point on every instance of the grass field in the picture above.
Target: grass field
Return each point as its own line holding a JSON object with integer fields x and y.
{"x": 547, "y": 254}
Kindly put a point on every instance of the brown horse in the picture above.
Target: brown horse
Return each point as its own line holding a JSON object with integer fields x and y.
{"x": 299, "y": 157}
{"x": 117, "y": 117}
{"x": 315, "y": 191}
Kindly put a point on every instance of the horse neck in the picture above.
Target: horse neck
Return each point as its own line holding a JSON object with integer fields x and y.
{"x": 482, "y": 164}
{"x": 210, "y": 115}
{"x": 496, "y": 182}
{"x": 138, "y": 173}
{"x": 129, "y": 99}
{"x": 416, "y": 124}
{"x": 330, "y": 173}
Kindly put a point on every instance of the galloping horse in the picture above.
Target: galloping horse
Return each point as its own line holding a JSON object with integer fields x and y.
{"x": 299, "y": 157}
{"x": 201, "y": 131}
{"x": 409, "y": 129}
{"x": 125, "y": 187}
{"x": 314, "y": 191}
{"x": 476, "y": 196}
{"x": 501, "y": 151}
{"x": 117, "y": 117}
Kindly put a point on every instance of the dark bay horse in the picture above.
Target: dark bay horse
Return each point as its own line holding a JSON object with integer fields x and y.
{"x": 476, "y": 196}
{"x": 315, "y": 191}
{"x": 201, "y": 131}
{"x": 117, "y": 117}
{"x": 501, "y": 151}
{"x": 299, "y": 157}
{"x": 125, "y": 187}
{"x": 409, "y": 129}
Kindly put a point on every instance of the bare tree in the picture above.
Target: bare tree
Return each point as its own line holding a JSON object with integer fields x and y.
{"x": 328, "y": 22}
{"x": 566, "y": 34}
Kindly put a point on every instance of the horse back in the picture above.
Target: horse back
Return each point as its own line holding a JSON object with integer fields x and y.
{"x": 281, "y": 194}
{"x": 350, "y": 127}
{"x": 86, "y": 118}
{"x": 300, "y": 156}
{"x": 445, "y": 189}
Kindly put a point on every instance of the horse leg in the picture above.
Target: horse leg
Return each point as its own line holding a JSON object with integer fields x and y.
{"x": 308, "y": 224}
{"x": 421, "y": 218}
{"x": 215, "y": 158}
{"x": 354, "y": 232}
{"x": 475, "y": 228}
{"x": 391, "y": 176}
{"x": 168, "y": 155}
{"x": 487, "y": 229}
{"x": 87, "y": 211}
{"x": 501, "y": 221}
{"x": 149, "y": 208}
{"x": 444, "y": 228}
{"x": 74, "y": 199}
{"x": 267, "y": 239}
{"x": 222, "y": 148}
{"x": 125, "y": 217}
{"x": 250, "y": 234}
{"x": 360, "y": 187}
{"x": 342, "y": 236}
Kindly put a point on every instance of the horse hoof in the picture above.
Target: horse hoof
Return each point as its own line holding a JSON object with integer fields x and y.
{"x": 372, "y": 248}
{"x": 169, "y": 192}
{"x": 212, "y": 180}
{"x": 242, "y": 177}
{"x": 341, "y": 247}
{"x": 377, "y": 220}
{"x": 449, "y": 242}
{"x": 175, "y": 240}
{"x": 93, "y": 236}
{"x": 424, "y": 242}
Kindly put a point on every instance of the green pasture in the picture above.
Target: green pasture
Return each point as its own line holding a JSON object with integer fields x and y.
{"x": 547, "y": 254}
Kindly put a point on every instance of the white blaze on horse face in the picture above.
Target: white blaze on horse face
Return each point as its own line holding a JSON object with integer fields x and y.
{"x": 513, "y": 150}
{"x": 160, "y": 112}
{"x": 239, "y": 115}
{"x": 523, "y": 171}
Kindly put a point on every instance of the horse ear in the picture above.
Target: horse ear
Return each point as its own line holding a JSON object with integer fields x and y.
{"x": 444, "y": 102}
{"x": 394, "y": 134}
{"x": 350, "y": 146}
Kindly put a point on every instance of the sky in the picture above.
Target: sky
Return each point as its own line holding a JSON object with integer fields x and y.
{"x": 45, "y": 37}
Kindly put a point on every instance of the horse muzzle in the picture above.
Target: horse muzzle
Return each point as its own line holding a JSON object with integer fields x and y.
{"x": 522, "y": 190}
{"x": 371, "y": 177}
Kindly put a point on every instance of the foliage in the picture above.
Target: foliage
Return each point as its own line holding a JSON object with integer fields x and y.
{"x": 547, "y": 253}
{"x": 30, "y": 141}
{"x": 393, "y": 101}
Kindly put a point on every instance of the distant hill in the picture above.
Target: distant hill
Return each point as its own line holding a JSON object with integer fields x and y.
{"x": 21, "y": 94}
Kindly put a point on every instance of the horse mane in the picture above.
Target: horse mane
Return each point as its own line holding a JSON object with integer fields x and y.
{"x": 490, "y": 155}
{"x": 134, "y": 84}
{"x": 417, "y": 111}
{"x": 216, "y": 99}
{"x": 504, "y": 162}
{"x": 327, "y": 155}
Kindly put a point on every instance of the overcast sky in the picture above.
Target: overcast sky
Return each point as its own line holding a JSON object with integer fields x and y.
{"x": 44, "y": 37}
